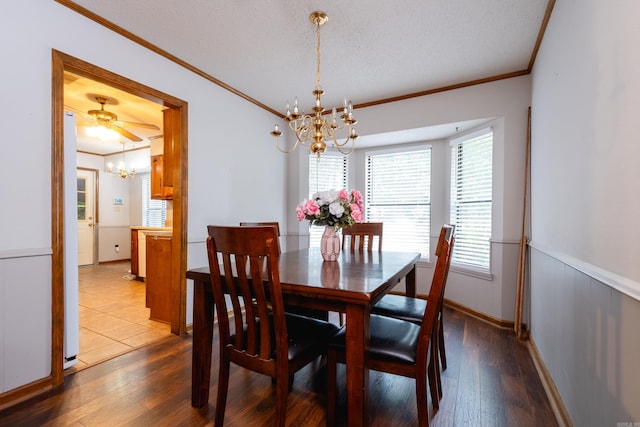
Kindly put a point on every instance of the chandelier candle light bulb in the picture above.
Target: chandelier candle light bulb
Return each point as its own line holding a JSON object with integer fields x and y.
{"x": 313, "y": 128}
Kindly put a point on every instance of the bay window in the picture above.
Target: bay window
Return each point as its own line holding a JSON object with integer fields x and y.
{"x": 471, "y": 198}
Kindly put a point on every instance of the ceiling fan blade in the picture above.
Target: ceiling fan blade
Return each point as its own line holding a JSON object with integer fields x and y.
{"x": 138, "y": 125}
{"x": 126, "y": 133}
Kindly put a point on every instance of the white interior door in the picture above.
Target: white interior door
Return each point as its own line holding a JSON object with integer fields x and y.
{"x": 86, "y": 216}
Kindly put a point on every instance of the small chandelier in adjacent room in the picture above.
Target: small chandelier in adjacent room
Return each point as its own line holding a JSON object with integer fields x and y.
{"x": 122, "y": 168}
{"x": 313, "y": 128}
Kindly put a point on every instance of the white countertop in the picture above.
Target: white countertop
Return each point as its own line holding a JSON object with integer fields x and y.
{"x": 140, "y": 227}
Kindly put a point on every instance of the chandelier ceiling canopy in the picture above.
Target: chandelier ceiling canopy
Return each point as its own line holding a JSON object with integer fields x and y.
{"x": 313, "y": 128}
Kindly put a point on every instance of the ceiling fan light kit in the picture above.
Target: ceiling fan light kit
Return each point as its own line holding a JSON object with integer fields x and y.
{"x": 102, "y": 133}
{"x": 105, "y": 124}
{"x": 313, "y": 128}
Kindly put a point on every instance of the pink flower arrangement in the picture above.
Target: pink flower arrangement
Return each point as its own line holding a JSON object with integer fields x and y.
{"x": 335, "y": 208}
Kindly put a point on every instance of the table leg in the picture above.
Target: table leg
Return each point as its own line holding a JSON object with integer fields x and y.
{"x": 410, "y": 281}
{"x": 203, "y": 311}
{"x": 357, "y": 365}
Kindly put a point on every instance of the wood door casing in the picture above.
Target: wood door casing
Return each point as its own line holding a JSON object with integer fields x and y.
{"x": 62, "y": 62}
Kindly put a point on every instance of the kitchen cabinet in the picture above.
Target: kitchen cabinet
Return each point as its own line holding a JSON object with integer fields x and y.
{"x": 158, "y": 279}
{"x": 163, "y": 165}
{"x": 138, "y": 248}
{"x": 159, "y": 189}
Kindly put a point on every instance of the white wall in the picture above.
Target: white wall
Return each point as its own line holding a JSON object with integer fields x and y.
{"x": 232, "y": 171}
{"x": 505, "y": 101}
{"x": 587, "y": 97}
{"x": 114, "y": 220}
{"x": 585, "y": 279}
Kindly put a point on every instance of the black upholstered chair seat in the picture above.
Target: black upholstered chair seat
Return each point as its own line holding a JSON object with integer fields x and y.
{"x": 401, "y": 307}
{"x": 391, "y": 340}
{"x": 306, "y": 334}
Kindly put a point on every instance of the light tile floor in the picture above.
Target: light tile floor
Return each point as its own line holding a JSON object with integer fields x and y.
{"x": 112, "y": 313}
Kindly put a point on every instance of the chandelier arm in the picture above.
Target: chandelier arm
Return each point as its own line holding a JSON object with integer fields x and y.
{"x": 301, "y": 128}
{"x": 277, "y": 144}
{"x": 340, "y": 146}
{"x": 328, "y": 133}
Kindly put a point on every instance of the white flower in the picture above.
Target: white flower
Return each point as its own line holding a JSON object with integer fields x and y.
{"x": 336, "y": 209}
{"x": 325, "y": 197}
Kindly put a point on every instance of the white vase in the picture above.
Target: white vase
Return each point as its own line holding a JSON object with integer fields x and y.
{"x": 330, "y": 244}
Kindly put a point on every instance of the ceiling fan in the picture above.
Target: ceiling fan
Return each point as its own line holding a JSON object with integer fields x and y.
{"x": 109, "y": 120}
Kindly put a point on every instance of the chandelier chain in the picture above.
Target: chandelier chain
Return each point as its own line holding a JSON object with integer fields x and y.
{"x": 318, "y": 54}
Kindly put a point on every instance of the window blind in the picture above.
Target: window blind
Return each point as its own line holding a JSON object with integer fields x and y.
{"x": 471, "y": 198}
{"x": 154, "y": 212}
{"x": 398, "y": 194}
{"x": 329, "y": 172}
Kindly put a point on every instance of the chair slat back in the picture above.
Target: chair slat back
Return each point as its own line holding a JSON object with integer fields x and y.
{"x": 362, "y": 236}
{"x": 446, "y": 232}
{"x": 436, "y": 292}
{"x": 275, "y": 224}
{"x": 243, "y": 262}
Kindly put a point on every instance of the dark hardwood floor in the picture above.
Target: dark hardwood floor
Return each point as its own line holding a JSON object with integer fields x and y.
{"x": 490, "y": 381}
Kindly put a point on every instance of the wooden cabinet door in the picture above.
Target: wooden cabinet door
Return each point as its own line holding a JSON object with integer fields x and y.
{"x": 171, "y": 140}
{"x": 157, "y": 177}
{"x": 134, "y": 252}
{"x": 158, "y": 279}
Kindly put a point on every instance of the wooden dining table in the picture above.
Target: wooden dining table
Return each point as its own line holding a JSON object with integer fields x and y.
{"x": 351, "y": 285}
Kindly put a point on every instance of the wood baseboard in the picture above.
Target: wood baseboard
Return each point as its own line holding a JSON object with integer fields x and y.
{"x": 504, "y": 324}
{"x": 25, "y": 392}
{"x": 560, "y": 411}
{"x": 113, "y": 261}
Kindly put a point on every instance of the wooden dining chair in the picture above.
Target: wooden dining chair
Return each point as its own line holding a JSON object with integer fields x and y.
{"x": 398, "y": 347}
{"x": 259, "y": 336}
{"x": 275, "y": 224}
{"x": 412, "y": 308}
{"x": 304, "y": 311}
{"x": 362, "y": 236}
{"x": 359, "y": 238}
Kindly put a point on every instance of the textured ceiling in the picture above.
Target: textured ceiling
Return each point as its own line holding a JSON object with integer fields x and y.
{"x": 370, "y": 50}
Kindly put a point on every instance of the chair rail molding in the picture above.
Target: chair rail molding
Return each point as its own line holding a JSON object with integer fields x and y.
{"x": 622, "y": 284}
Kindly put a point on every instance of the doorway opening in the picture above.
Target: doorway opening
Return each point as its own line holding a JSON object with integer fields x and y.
{"x": 87, "y": 205}
{"x": 177, "y": 289}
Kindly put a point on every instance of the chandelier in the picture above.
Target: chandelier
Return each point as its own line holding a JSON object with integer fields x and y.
{"x": 122, "y": 168}
{"x": 313, "y": 128}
